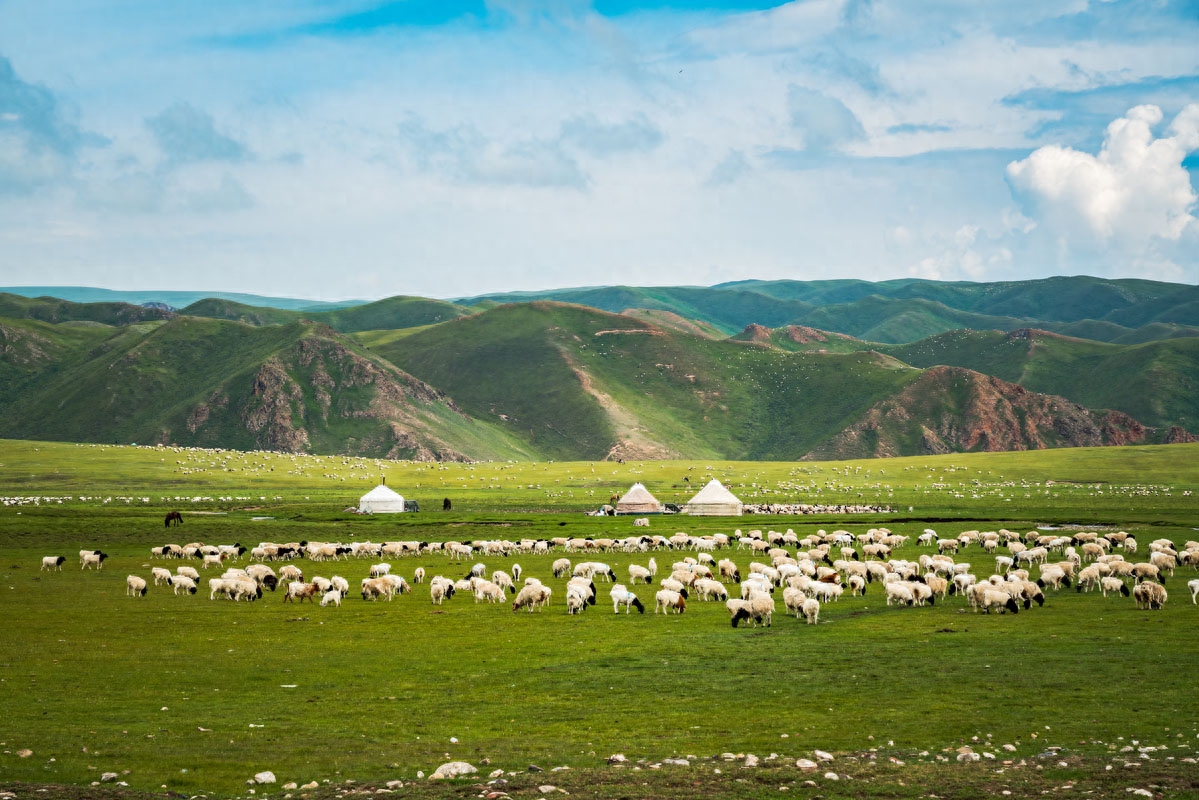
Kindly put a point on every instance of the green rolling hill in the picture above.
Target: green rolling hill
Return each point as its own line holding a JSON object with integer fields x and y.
{"x": 392, "y": 313}
{"x": 295, "y": 387}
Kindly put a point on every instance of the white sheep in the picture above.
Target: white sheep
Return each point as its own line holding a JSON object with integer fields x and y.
{"x": 161, "y": 576}
{"x": 418, "y": 575}
{"x": 440, "y": 589}
{"x": 54, "y": 563}
{"x": 561, "y": 567}
{"x": 531, "y": 597}
{"x": 135, "y": 586}
{"x": 376, "y": 587}
{"x": 758, "y": 607}
{"x": 181, "y": 583}
{"x": 489, "y": 591}
{"x": 992, "y": 598}
{"x": 1149, "y": 595}
{"x": 709, "y": 589}
{"x": 793, "y": 600}
{"x": 331, "y": 598}
{"x": 1108, "y": 584}
{"x": 898, "y": 592}
{"x": 811, "y": 610}
{"x": 379, "y": 570}
{"x": 1194, "y": 587}
{"x": 188, "y": 572}
{"x": 667, "y": 599}
{"x": 516, "y": 571}
{"x": 622, "y": 596}
{"x": 88, "y": 558}
{"x": 214, "y": 560}
{"x": 340, "y": 584}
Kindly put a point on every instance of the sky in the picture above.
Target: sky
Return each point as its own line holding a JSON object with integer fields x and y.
{"x": 448, "y": 148}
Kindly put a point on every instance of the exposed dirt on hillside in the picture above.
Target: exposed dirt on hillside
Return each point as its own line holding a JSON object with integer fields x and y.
{"x": 23, "y": 347}
{"x": 950, "y": 409}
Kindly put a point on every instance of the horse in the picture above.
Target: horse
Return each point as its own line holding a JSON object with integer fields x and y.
{"x": 445, "y": 504}
{"x": 173, "y": 517}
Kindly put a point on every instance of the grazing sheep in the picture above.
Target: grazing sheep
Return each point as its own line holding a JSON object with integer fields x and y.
{"x": 641, "y": 522}
{"x": 379, "y": 570}
{"x": 811, "y": 610}
{"x": 289, "y": 573}
{"x": 418, "y": 575}
{"x": 188, "y": 572}
{"x": 667, "y": 599}
{"x": 638, "y": 573}
{"x": 489, "y": 591}
{"x": 585, "y": 587}
{"x": 212, "y": 560}
{"x": 181, "y": 582}
{"x": 857, "y": 585}
{"x": 758, "y": 607}
{"x": 561, "y": 567}
{"x": 322, "y": 585}
{"x": 1194, "y": 587}
{"x": 622, "y": 596}
{"x": 340, "y": 584}
{"x": 709, "y": 589}
{"x": 135, "y": 586}
{"x": 1163, "y": 561}
{"x": 671, "y": 585}
{"x": 793, "y": 600}
{"x": 88, "y": 558}
{"x": 516, "y": 571}
{"x": 899, "y": 593}
{"x": 531, "y": 597}
{"x": 398, "y": 584}
{"x": 1149, "y": 595}
{"x": 1107, "y": 584}
{"x": 331, "y": 598}
{"x": 1002, "y": 600}
{"x": 575, "y": 602}
{"x": 298, "y": 592}
{"x": 1053, "y": 575}
{"x": 161, "y": 576}
{"x": 376, "y": 587}
{"x": 440, "y": 588}
{"x": 55, "y": 563}
{"x": 728, "y": 571}
{"x": 1145, "y": 571}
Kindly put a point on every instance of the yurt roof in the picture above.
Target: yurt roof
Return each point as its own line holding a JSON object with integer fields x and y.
{"x": 381, "y": 493}
{"x": 637, "y": 494}
{"x": 714, "y": 494}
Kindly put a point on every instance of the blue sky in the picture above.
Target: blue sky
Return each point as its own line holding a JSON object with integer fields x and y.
{"x": 452, "y": 147}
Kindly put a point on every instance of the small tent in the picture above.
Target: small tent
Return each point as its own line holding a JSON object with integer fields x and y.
{"x": 381, "y": 500}
{"x": 638, "y": 500}
{"x": 714, "y": 501}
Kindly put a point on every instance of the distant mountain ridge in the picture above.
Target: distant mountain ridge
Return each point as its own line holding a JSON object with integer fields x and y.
{"x": 658, "y": 377}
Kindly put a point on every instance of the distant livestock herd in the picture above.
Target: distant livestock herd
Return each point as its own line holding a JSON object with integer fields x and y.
{"x": 811, "y": 570}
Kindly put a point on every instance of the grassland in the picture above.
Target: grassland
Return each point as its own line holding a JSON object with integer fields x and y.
{"x": 197, "y": 696}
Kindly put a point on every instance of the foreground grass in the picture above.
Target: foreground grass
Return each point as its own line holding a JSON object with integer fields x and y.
{"x": 197, "y": 696}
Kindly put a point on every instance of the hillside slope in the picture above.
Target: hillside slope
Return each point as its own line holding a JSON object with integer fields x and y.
{"x": 951, "y": 410}
{"x": 392, "y": 313}
{"x": 297, "y": 387}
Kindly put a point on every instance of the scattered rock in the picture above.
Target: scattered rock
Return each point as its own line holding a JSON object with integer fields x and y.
{"x": 496, "y": 773}
{"x": 751, "y": 760}
{"x": 390, "y": 785}
{"x": 832, "y": 776}
{"x": 1011, "y": 748}
{"x": 677, "y": 762}
{"x": 546, "y": 788}
{"x": 822, "y": 756}
{"x": 987, "y": 755}
{"x": 807, "y": 765}
{"x": 311, "y": 785}
{"x": 535, "y": 768}
{"x": 729, "y": 756}
{"x": 452, "y": 769}
{"x": 264, "y": 777}
{"x": 108, "y": 776}
{"x": 1140, "y": 792}
{"x": 617, "y": 758}
{"x": 26, "y": 753}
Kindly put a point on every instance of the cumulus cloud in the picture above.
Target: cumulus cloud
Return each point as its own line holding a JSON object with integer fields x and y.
{"x": 598, "y": 138}
{"x": 824, "y": 122}
{"x": 186, "y": 134}
{"x": 1135, "y": 189}
{"x": 39, "y": 143}
{"x": 465, "y": 155}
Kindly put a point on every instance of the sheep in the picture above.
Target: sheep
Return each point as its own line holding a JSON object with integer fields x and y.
{"x": 135, "y": 586}
{"x": 728, "y": 571}
{"x": 214, "y": 560}
{"x": 671, "y": 585}
{"x": 478, "y": 570}
{"x": 298, "y": 592}
{"x": 937, "y": 585}
{"x": 1002, "y": 600}
{"x": 709, "y": 589}
{"x": 667, "y": 599}
{"x": 376, "y": 587}
{"x": 585, "y": 587}
{"x": 188, "y": 572}
{"x": 503, "y": 580}
{"x": 531, "y": 597}
{"x": 489, "y": 591}
{"x": 418, "y": 575}
{"x": 89, "y": 557}
{"x": 793, "y": 600}
{"x": 340, "y": 584}
{"x": 516, "y": 571}
{"x": 575, "y": 601}
{"x": 638, "y": 573}
{"x": 1145, "y": 571}
{"x": 641, "y": 522}
{"x": 55, "y": 563}
{"x": 1149, "y": 595}
{"x": 759, "y": 608}
{"x": 1053, "y": 575}
{"x": 899, "y": 593}
{"x": 1194, "y": 587}
{"x": 331, "y": 598}
{"x": 161, "y": 576}
{"x": 561, "y": 567}
{"x": 379, "y": 570}
{"x": 622, "y": 596}
{"x": 1163, "y": 561}
{"x": 857, "y": 585}
{"x": 440, "y": 588}
{"x": 322, "y": 584}
{"x": 289, "y": 573}
{"x": 178, "y": 582}
{"x": 1113, "y": 585}
{"x": 811, "y": 610}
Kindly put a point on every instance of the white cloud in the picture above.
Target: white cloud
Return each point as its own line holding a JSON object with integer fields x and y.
{"x": 1133, "y": 190}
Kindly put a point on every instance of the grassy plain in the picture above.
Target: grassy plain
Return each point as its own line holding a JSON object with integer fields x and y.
{"x": 197, "y": 696}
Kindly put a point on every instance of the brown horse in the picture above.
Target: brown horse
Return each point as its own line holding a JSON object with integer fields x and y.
{"x": 173, "y": 517}
{"x": 446, "y": 505}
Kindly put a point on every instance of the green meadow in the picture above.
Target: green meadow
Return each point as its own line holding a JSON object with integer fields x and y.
{"x": 188, "y": 696}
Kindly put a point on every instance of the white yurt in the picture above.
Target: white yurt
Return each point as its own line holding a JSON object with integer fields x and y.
{"x": 381, "y": 500}
{"x": 714, "y": 501}
{"x": 638, "y": 500}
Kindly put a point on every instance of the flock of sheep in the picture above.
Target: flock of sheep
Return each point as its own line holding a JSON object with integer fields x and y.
{"x": 810, "y": 570}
